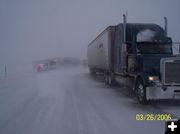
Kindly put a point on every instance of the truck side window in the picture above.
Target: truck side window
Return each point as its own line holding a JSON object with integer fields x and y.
{"x": 117, "y": 47}
{"x": 131, "y": 46}
{"x": 101, "y": 45}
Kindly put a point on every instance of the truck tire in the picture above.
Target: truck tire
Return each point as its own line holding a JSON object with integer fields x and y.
{"x": 141, "y": 92}
{"x": 106, "y": 78}
{"x": 109, "y": 79}
{"x": 92, "y": 71}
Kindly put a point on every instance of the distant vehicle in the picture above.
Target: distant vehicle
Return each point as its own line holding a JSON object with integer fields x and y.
{"x": 52, "y": 62}
{"x": 41, "y": 67}
{"x": 139, "y": 56}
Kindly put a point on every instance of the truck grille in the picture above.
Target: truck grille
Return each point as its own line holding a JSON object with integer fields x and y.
{"x": 172, "y": 72}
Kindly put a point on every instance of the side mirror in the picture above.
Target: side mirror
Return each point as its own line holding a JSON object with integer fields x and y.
{"x": 168, "y": 39}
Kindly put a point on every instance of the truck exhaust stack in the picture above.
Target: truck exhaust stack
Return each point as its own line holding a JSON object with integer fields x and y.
{"x": 123, "y": 54}
{"x": 165, "y": 26}
{"x": 124, "y": 26}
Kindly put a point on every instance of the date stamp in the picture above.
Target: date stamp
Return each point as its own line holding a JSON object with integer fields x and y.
{"x": 153, "y": 117}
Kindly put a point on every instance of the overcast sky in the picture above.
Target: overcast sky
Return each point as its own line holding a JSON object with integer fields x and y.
{"x": 39, "y": 29}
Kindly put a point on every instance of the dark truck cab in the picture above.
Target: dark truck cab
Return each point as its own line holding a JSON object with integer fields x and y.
{"x": 145, "y": 61}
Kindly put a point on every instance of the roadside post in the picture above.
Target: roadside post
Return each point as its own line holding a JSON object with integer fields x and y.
{"x": 5, "y": 71}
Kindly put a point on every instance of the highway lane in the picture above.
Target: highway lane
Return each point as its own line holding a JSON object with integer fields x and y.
{"x": 70, "y": 101}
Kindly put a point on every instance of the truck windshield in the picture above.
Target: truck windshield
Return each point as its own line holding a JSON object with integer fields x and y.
{"x": 154, "y": 48}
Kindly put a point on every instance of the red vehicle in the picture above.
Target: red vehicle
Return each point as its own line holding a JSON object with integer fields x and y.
{"x": 40, "y": 67}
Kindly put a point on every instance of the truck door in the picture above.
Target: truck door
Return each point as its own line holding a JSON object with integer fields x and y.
{"x": 117, "y": 48}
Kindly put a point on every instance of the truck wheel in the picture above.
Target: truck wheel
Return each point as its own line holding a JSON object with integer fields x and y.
{"x": 92, "y": 71}
{"x": 141, "y": 92}
{"x": 109, "y": 79}
{"x": 106, "y": 78}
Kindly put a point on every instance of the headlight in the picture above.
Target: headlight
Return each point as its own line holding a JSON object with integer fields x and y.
{"x": 153, "y": 78}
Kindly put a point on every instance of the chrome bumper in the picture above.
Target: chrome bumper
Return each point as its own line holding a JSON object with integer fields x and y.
{"x": 158, "y": 92}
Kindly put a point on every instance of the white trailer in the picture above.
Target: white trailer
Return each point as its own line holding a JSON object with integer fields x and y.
{"x": 100, "y": 51}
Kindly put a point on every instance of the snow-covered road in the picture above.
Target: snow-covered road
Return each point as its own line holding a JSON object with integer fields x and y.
{"x": 70, "y": 101}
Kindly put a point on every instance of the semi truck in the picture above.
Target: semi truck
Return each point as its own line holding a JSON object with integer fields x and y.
{"x": 138, "y": 56}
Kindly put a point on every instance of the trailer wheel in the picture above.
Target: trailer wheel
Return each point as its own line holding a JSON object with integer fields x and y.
{"x": 106, "y": 78}
{"x": 92, "y": 71}
{"x": 141, "y": 92}
{"x": 109, "y": 79}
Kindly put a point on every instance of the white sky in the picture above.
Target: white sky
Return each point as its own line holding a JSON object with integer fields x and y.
{"x": 39, "y": 29}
